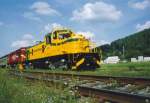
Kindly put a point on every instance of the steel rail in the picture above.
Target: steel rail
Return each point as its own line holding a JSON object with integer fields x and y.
{"x": 119, "y": 79}
{"x": 113, "y": 96}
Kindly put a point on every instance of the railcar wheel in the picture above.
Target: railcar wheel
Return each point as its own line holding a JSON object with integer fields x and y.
{"x": 65, "y": 67}
{"x": 31, "y": 66}
{"x": 51, "y": 66}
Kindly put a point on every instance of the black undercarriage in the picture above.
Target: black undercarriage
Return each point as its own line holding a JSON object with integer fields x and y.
{"x": 66, "y": 61}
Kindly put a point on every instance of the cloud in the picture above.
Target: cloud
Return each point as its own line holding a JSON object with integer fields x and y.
{"x": 49, "y": 27}
{"x": 40, "y": 8}
{"x": 97, "y": 11}
{"x": 56, "y": 25}
{"x": 31, "y": 16}
{"x": 43, "y": 8}
{"x": 1, "y": 23}
{"x": 140, "y": 5}
{"x": 141, "y": 27}
{"x": 20, "y": 43}
{"x": 87, "y": 34}
{"x": 28, "y": 37}
{"x": 27, "y": 40}
{"x": 91, "y": 36}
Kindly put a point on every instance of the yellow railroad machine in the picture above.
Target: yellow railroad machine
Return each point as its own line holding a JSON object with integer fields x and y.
{"x": 63, "y": 49}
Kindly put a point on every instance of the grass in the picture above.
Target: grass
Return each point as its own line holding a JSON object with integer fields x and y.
{"x": 18, "y": 90}
{"x": 125, "y": 69}
{"x": 138, "y": 69}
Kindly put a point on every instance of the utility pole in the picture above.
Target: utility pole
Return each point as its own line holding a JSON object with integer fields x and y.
{"x": 123, "y": 49}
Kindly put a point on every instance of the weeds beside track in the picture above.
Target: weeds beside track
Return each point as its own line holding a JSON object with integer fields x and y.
{"x": 101, "y": 87}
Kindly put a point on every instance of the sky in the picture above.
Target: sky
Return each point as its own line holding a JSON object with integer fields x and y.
{"x": 24, "y": 22}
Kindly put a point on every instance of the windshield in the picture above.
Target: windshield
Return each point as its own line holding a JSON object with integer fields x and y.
{"x": 64, "y": 35}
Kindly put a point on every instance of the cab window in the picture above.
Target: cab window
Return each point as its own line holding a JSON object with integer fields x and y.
{"x": 48, "y": 39}
{"x": 67, "y": 35}
{"x": 54, "y": 35}
{"x": 61, "y": 36}
{"x": 64, "y": 35}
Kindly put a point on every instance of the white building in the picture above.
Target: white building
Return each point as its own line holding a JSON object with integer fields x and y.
{"x": 133, "y": 60}
{"x": 112, "y": 60}
{"x": 146, "y": 59}
{"x": 140, "y": 58}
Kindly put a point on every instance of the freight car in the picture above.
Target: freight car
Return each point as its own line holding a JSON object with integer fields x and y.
{"x": 3, "y": 61}
{"x": 62, "y": 48}
{"x": 17, "y": 58}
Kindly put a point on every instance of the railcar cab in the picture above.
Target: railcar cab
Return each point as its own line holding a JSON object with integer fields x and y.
{"x": 58, "y": 36}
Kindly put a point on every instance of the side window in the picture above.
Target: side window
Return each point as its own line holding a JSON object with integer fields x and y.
{"x": 32, "y": 51}
{"x": 48, "y": 39}
{"x": 43, "y": 48}
{"x": 67, "y": 35}
{"x": 54, "y": 35}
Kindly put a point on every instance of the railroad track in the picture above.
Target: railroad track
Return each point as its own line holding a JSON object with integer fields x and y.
{"x": 104, "y": 88}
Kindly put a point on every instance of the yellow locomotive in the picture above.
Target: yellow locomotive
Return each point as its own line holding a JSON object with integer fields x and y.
{"x": 62, "y": 48}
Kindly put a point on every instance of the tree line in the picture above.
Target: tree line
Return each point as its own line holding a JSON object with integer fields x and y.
{"x": 137, "y": 44}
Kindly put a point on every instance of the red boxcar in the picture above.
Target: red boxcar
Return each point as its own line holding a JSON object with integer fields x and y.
{"x": 18, "y": 56}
